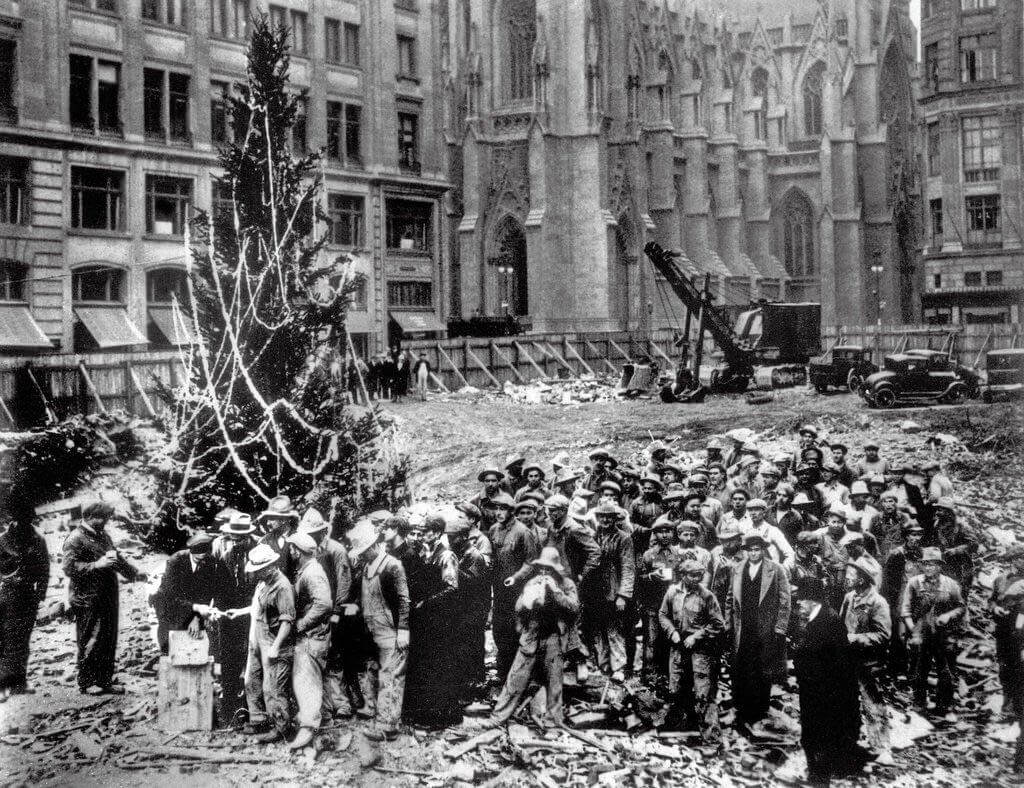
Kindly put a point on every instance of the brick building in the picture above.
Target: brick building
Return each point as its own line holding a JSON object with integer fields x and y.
{"x": 972, "y": 105}
{"x": 110, "y": 116}
{"x": 772, "y": 142}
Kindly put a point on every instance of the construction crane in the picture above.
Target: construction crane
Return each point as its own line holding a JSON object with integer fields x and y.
{"x": 771, "y": 342}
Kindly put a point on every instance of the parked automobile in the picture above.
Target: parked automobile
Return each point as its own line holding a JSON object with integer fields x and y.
{"x": 1004, "y": 374}
{"x": 845, "y": 366}
{"x": 919, "y": 379}
{"x": 939, "y": 359}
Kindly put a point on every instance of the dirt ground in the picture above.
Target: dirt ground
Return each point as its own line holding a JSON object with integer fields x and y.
{"x": 450, "y": 438}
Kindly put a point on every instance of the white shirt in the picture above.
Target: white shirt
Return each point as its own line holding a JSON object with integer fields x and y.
{"x": 752, "y": 568}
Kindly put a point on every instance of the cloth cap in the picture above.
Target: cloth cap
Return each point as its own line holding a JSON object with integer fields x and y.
{"x": 756, "y": 503}
{"x": 378, "y": 516}
{"x": 807, "y": 538}
{"x": 526, "y": 503}
{"x": 673, "y": 495}
{"x": 740, "y": 491}
{"x": 312, "y": 522}
{"x": 565, "y": 475}
{"x": 930, "y": 465}
{"x": 610, "y": 485}
{"x": 859, "y": 488}
{"x": 606, "y": 508}
{"x": 557, "y": 501}
{"x": 851, "y": 536}
{"x": 749, "y": 460}
{"x": 471, "y": 510}
{"x": 650, "y": 479}
{"x": 303, "y": 542}
{"x": 699, "y": 478}
{"x": 599, "y": 454}
{"x": 224, "y": 515}
{"x": 801, "y": 499}
{"x": 629, "y": 472}
{"x": 841, "y": 446}
{"x": 502, "y": 501}
{"x": 549, "y": 557}
{"x": 781, "y": 457}
{"x": 809, "y": 429}
{"x": 838, "y": 510}
{"x": 514, "y": 459}
{"x": 945, "y": 502}
{"x": 690, "y": 566}
{"x": 260, "y": 557}
{"x": 456, "y": 523}
{"x": 754, "y": 538}
{"x": 200, "y": 543}
{"x": 489, "y": 472}
{"x": 871, "y": 445}
{"x": 932, "y": 554}
{"x": 688, "y": 525}
{"x": 362, "y": 536}
{"x": 240, "y": 524}
{"x": 719, "y": 465}
{"x": 728, "y": 530}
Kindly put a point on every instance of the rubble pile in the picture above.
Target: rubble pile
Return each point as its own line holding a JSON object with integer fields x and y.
{"x": 561, "y": 392}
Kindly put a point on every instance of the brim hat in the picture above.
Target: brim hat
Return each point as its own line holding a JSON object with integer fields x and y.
{"x": 841, "y": 446}
{"x": 526, "y": 503}
{"x": 807, "y": 538}
{"x": 809, "y": 588}
{"x": 801, "y": 499}
{"x": 549, "y": 557}
{"x": 224, "y": 515}
{"x": 606, "y": 509}
{"x": 859, "y": 488}
{"x": 489, "y": 472}
{"x": 663, "y": 523}
{"x": 456, "y": 523}
{"x": 611, "y": 486}
{"x": 808, "y": 429}
{"x": 514, "y": 459}
{"x": 888, "y": 494}
{"x": 688, "y": 525}
{"x": 932, "y": 555}
{"x": 851, "y": 536}
{"x": 739, "y": 434}
{"x": 689, "y": 495}
{"x": 260, "y": 557}
{"x": 673, "y": 495}
{"x": 780, "y": 458}
{"x": 240, "y": 524}
{"x": 913, "y": 526}
{"x": 471, "y": 510}
{"x": 280, "y": 506}
{"x": 865, "y": 568}
{"x": 649, "y": 479}
{"x": 767, "y": 469}
{"x": 502, "y": 501}
{"x": 871, "y": 445}
{"x": 361, "y": 537}
{"x": 812, "y": 451}
{"x": 303, "y": 542}
{"x": 945, "y": 502}
{"x": 566, "y": 475}
{"x": 754, "y": 538}
{"x": 537, "y": 496}
{"x": 629, "y": 472}
{"x": 699, "y": 478}
{"x": 201, "y": 542}
{"x": 718, "y": 465}
{"x": 312, "y": 522}
{"x": 829, "y": 467}
{"x": 601, "y": 454}
{"x": 876, "y": 479}
{"x": 838, "y": 510}
{"x": 930, "y": 465}
{"x": 757, "y": 503}
{"x": 533, "y": 467}
{"x": 557, "y": 501}
{"x": 378, "y": 516}
{"x": 749, "y": 460}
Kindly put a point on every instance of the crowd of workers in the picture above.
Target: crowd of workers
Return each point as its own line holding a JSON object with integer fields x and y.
{"x": 673, "y": 571}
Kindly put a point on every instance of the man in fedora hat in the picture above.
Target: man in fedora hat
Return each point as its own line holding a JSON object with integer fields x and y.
{"x": 313, "y": 610}
{"x": 757, "y": 613}
{"x": 606, "y": 601}
{"x": 859, "y": 509}
{"x": 384, "y": 603}
{"x": 657, "y": 571}
{"x": 855, "y": 544}
{"x": 92, "y": 565}
{"x": 234, "y": 592}
{"x": 513, "y": 473}
{"x": 826, "y": 675}
{"x": 271, "y": 647}
{"x": 342, "y": 669}
{"x": 277, "y": 522}
{"x": 566, "y": 481}
{"x": 869, "y": 624}
{"x": 545, "y": 609}
{"x": 692, "y": 621}
{"x": 515, "y": 545}
{"x": 471, "y": 605}
{"x": 187, "y": 589}
{"x": 534, "y": 476}
{"x": 602, "y": 469}
{"x": 932, "y": 610}
{"x": 491, "y": 479}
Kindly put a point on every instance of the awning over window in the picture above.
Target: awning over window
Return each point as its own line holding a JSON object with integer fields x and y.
{"x": 418, "y": 322}
{"x": 178, "y": 331}
{"x": 19, "y": 330}
{"x": 110, "y": 326}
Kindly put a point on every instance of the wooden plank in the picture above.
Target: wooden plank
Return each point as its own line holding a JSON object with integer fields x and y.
{"x": 622, "y": 352}
{"x": 476, "y": 360}
{"x": 508, "y": 360}
{"x": 51, "y": 415}
{"x": 91, "y": 386}
{"x": 522, "y": 351}
{"x": 583, "y": 361}
{"x": 141, "y": 390}
{"x": 558, "y": 357}
{"x": 185, "y": 696}
{"x": 597, "y": 352}
{"x": 444, "y": 354}
{"x": 7, "y": 414}
{"x": 660, "y": 352}
{"x": 438, "y": 382}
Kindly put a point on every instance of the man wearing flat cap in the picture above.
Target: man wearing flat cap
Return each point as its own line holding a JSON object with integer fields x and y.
{"x": 871, "y": 464}
{"x": 92, "y": 565}
{"x": 545, "y": 611}
{"x": 902, "y": 563}
{"x": 958, "y": 547}
{"x": 933, "y": 609}
{"x": 187, "y": 589}
{"x": 692, "y": 621}
{"x": 491, "y": 479}
{"x": 757, "y": 613}
{"x": 869, "y": 626}
{"x": 656, "y": 572}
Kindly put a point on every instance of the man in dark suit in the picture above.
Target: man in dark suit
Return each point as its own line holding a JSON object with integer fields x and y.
{"x": 829, "y": 697}
{"x": 190, "y": 582}
{"x": 757, "y": 614}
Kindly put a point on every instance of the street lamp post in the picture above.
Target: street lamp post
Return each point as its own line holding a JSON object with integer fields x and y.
{"x": 506, "y": 272}
{"x": 877, "y": 270}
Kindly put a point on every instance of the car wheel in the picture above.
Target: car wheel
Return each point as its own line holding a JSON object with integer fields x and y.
{"x": 885, "y": 398}
{"x": 973, "y": 390}
{"x": 956, "y": 395}
{"x": 854, "y": 381}
{"x": 987, "y": 397}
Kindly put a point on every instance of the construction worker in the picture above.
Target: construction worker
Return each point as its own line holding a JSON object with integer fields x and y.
{"x": 656, "y": 573}
{"x": 605, "y": 602}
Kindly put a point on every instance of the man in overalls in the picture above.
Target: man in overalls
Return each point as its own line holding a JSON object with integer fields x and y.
{"x": 385, "y": 608}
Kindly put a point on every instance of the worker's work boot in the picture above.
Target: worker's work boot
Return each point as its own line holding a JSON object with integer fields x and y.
{"x": 302, "y": 739}
{"x": 355, "y": 695}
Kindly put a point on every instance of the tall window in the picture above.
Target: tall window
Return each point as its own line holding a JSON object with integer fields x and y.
{"x": 178, "y": 106}
{"x": 97, "y": 199}
{"x": 983, "y": 219}
{"x": 332, "y": 41}
{"x": 982, "y": 142}
{"x": 798, "y": 236}
{"x": 406, "y": 56}
{"x": 409, "y": 226}
{"x": 411, "y": 295}
{"x": 934, "y": 151}
{"x": 12, "y": 280}
{"x": 167, "y": 285}
{"x": 8, "y": 80}
{"x": 814, "y": 83}
{"x": 931, "y": 66}
{"x": 976, "y": 5}
{"x": 153, "y": 103}
{"x": 935, "y": 216}
{"x": 345, "y": 214}
{"x": 759, "y": 89}
{"x": 97, "y": 283}
{"x": 408, "y": 142}
{"x": 344, "y": 133}
{"x": 278, "y": 16}
{"x": 299, "y": 144}
{"x": 633, "y": 88}
{"x": 928, "y": 8}
{"x": 94, "y": 83}
{"x": 979, "y": 58}
{"x": 14, "y": 191}
{"x": 229, "y": 18}
{"x": 220, "y": 112}
{"x": 519, "y": 34}
{"x": 168, "y": 204}
{"x": 165, "y": 105}
{"x": 167, "y": 12}
{"x": 350, "y": 48}
{"x": 300, "y": 39}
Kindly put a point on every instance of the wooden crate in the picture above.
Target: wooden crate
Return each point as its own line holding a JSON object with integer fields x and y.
{"x": 185, "y": 697}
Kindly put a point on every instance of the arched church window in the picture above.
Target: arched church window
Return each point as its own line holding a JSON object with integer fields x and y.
{"x": 633, "y": 87}
{"x": 519, "y": 30}
{"x": 798, "y": 236}
{"x": 814, "y": 83}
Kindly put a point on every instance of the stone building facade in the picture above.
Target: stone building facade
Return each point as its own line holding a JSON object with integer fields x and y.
{"x": 772, "y": 143}
{"x": 972, "y": 107}
{"x": 111, "y": 112}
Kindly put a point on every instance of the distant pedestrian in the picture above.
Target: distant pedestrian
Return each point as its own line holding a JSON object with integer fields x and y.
{"x": 421, "y": 371}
